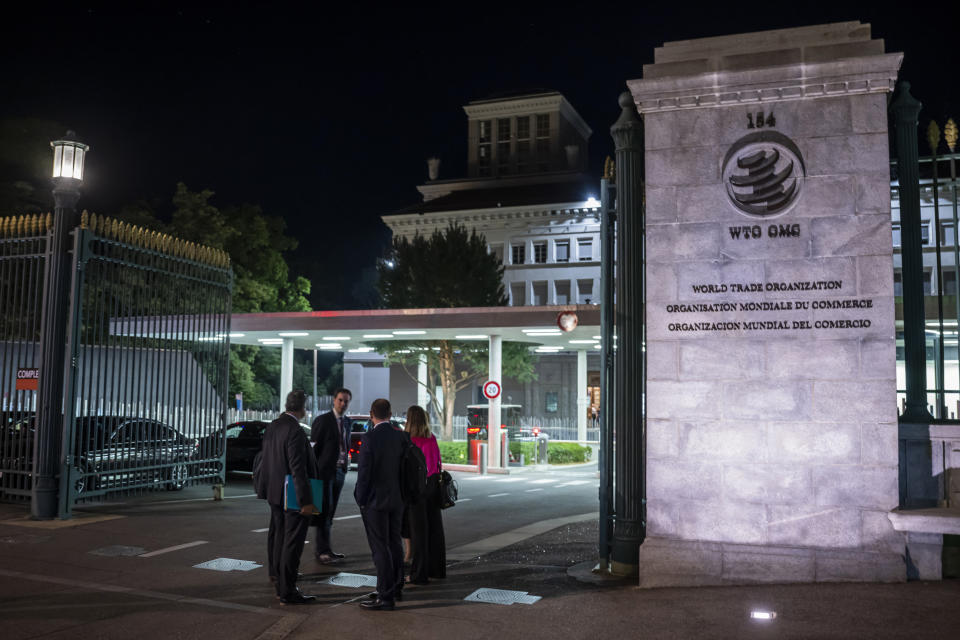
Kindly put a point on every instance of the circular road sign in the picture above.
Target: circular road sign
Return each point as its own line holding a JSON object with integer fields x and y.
{"x": 567, "y": 320}
{"x": 491, "y": 389}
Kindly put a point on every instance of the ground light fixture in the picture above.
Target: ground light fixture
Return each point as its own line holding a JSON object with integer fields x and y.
{"x": 270, "y": 340}
{"x": 68, "y": 156}
{"x": 329, "y": 345}
{"x": 759, "y": 614}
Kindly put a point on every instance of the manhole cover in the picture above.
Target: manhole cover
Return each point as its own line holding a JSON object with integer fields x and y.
{"x": 501, "y": 596}
{"x": 352, "y": 580}
{"x": 117, "y": 550}
{"x": 228, "y": 564}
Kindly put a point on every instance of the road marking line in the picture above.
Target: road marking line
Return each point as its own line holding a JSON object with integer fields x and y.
{"x": 346, "y": 517}
{"x": 573, "y": 483}
{"x": 493, "y": 543}
{"x": 150, "y": 554}
{"x": 158, "y": 595}
{"x": 148, "y": 504}
{"x": 260, "y": 530}
{"x": 532, "y": 490}
{"x": 544, "y": 481}
{"x": 510, "y": 480}
{"x": 475, "y": 478}
{"x": 464, "y": 499}
{"x": 497, "y": 495}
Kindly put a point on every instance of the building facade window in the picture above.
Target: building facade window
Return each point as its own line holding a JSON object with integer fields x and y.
{"x": 896, "y": 234}
{"x": 483, "y": 160}
{"x": 947, "y": 236}
{"x": 584, "y": 291}
{"x": 503, "y": 129}
{"x": 503, "y": 158}
{"x": 927, "y": 282}
{"x": 949, "y": 285}
{"x": 497, "y": 250}
{"x": 518, "y": 296}
{"x": 517, "y": 254}
{"x": 485, "y": 131}
{"x": 925, "y": 232}
{"x": 897, "y": 283}
{"x": 543, "y": 142}
{"x": 585, "y": 249}
{"x": 551, "y": 402}
{"x": 562, "y": 291}
{"x": 539, "y": 294}
{"x": 562, "y": 250}
{"x": 539, "y": 252}
{"x": 523, "y": 128}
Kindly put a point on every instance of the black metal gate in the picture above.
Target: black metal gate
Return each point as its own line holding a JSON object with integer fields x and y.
{"x": 146, "y": 361}
{"x": 23, "y": 249}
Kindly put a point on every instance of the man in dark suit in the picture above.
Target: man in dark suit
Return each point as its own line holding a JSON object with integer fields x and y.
{"x": 286, "y": 450}
{"x": 331, "y": 436}
{"x": 381, "y": 506}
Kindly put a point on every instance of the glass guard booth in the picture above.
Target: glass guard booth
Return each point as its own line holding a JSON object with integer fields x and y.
{"x": 478, "y": 421}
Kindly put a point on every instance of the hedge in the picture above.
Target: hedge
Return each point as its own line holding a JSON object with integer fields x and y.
{"x": 557, "y": 452}
{"x": 453, "y": 452}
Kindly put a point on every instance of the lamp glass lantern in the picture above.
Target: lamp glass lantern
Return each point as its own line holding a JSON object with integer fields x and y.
{"x": 68, "y": 156}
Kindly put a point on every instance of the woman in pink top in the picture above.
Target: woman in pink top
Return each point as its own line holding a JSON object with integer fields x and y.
{"x": 427, "y": 544}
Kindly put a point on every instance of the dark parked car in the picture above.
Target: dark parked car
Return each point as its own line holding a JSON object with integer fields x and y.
{"x": 118, "y": 451}
{"x": 244, "y": 441}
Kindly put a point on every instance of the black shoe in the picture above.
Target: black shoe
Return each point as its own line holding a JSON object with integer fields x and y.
{"x": 377, "y": 605}
{"x": 338, "y": 556}
{"x": 297, "y": 597}
{"x": 327, "y": 558}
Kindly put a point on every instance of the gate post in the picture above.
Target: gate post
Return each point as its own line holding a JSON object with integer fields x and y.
{"x": 906, "y": 109}
{"x": 629, "y": 372}
{"x": 53, "y": 327}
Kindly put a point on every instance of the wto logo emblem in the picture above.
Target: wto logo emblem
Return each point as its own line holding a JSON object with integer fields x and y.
{"x": 763, "y": 173}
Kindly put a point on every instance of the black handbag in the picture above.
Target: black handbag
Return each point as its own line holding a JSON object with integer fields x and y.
{"x": 448, "y": 490}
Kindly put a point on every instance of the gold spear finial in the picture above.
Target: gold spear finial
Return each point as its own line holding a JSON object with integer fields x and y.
{"x": 49, "y": 221}
{"x": 950, "y": 134}
{"x": 84, "y": 219}
{"x": 933, "y": 137}
{"x": 609, "y": 170}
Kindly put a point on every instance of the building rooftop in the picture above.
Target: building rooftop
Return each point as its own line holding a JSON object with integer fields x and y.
{"x": 541, "y": 193}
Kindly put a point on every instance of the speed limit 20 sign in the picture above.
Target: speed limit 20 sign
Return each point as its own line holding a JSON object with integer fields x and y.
{"x": 491, "y": 389}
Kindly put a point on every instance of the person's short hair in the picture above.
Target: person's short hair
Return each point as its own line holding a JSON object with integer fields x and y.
{"x": 380, "y": 409}
{"x": 337, "y": 392}
{"x": 418, "y": 426}
{"x": 296, "y": 400}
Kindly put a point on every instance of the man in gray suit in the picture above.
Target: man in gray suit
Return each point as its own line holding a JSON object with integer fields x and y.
{"x": 286, "y": 450}
{"x": 381, "y": 506}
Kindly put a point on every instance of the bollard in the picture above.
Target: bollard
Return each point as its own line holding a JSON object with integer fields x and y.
{"x": 218, "y": 492}
{"x": 482, "y": 459}
{"x": 541, "y": 451}
{"x": 504, "y": 450}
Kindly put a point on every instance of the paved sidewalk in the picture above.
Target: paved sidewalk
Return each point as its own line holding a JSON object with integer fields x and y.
{"x": 52, "y": 587}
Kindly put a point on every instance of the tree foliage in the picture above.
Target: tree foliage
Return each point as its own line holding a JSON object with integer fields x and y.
{"x": 256, "y": 244}
{"x": 451, "y": 268}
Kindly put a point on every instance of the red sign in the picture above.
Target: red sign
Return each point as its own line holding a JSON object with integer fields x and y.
{"x": 567, "y": 321}
{"x": 27, "y": 379}
{"x": 491, "y": 389}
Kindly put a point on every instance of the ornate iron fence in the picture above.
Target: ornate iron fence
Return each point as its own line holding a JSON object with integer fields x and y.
{"x": 146, "y": 361}
{"x": 23, "y": 249}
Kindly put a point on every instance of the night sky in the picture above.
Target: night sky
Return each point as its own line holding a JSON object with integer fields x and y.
{"x": 324, "y": 114}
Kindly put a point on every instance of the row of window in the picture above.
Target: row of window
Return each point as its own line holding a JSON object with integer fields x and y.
{"x": 564, "y": 292}
{"x": 947, "y": 235}
{"x": 540, "y": 252}
{"x": 948, "y": 284}
{"x": 514, "y": 145}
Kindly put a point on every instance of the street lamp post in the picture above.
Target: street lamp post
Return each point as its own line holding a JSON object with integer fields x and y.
{"x": 68, "y": 161}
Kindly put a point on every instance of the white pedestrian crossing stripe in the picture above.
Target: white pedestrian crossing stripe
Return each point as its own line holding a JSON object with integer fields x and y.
{"x": 573, "y": 483}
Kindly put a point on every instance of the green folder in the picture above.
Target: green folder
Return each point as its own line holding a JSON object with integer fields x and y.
{"x": 290, "y": 494}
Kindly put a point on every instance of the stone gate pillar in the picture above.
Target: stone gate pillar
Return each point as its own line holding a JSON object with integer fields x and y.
{"x": 771, "y": 396}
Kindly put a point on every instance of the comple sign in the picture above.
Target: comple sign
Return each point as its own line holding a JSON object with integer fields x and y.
{"x": 27, "y": 379}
